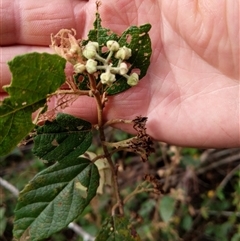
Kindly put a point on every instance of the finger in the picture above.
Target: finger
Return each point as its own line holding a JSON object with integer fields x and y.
{"x": 210, "y": 29}
{"x": 84, "y": 107}
{"x": 32, "y": 22}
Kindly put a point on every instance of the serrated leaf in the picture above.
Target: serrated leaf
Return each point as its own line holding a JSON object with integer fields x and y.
{"x": 34, "y": 76}
{"x": 166, "y": 208}
{"x": 117, "y": 228}
{"x": 52, "y": 199}
{"x": 138, "y": 40}
{"x": 63, "y": 139}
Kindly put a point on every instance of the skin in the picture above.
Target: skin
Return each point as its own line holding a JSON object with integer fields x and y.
{"x": 191, "y": 91}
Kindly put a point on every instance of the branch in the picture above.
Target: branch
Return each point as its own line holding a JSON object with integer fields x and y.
{"x": 100, "y": 101}
{"x": 76, "y": 228}
{"x": 9, "y": 187}
{"x": 228, "y": 177}
{"x": 218, "y": 163}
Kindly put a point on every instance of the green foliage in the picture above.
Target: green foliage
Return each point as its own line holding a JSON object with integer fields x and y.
{"x": 150, "y": 226}
{"x": 54, "y": 198}
{"x": 186, "y": 223}
{"x": 100, "y": 34}
{"x": 3, "y": 220}
{"x": 63, "y": 139}
{"x": 117, "y": 228}
{"x": 34, "y": 76}
{"x": 219, "y": 231}
{"x": 166, "y": 208}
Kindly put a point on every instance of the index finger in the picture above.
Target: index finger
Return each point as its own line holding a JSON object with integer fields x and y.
{"x": 32, "y": 22}
{"x": 26, "y": 26}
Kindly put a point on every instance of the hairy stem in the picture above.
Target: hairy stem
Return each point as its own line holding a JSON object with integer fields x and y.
{"x": 100, "y": 100}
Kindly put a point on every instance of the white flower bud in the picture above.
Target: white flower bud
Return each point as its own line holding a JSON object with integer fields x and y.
{"x": 91, "y": 66}
{"x": 123, "y": 53}
{"x": 107, "y": 78}
{"x": 90, "y": 50}
{"x": 79, "y": 68}
{"x": 113, "y": 45}
{"x": 133, "y": 79}
{"x": 89, "y": 53}
{"x": 123, "y": 69}
{"x": 94, "y": 44}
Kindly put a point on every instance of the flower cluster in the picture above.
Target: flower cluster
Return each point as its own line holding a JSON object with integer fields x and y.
{"x": 86, "y": 59}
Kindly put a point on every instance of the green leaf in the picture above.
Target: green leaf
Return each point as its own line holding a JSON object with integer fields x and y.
{"x": 3, "y": 220}
{"x": 54, "y": 198}
{"x": 117, "y": 228}
{"x": 236, "y": 237}
{"x": 34, "y": 76}
{"x": 138, "y": 40}
{"x": 166, "y": 208}
{"x": 186, "y": 222}
{"x": 100, "y": 34}
{"x": 63, "y": 139}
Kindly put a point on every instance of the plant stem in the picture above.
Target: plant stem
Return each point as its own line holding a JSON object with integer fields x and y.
{"x": 118, "y": 121}
{"x": 139, "y": 189}
{"x": 100, "y": 106}
{"x": 72, "y": 92}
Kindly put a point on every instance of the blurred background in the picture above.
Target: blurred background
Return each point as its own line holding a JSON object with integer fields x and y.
{"x": 197, "y": 198}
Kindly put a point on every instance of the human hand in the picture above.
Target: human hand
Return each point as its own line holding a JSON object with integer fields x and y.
{"x": 191, "y": 91}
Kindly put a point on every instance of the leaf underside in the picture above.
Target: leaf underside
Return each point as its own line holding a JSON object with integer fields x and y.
{"x": 34, "y": 76}
{"x": 63, "y": 139}
{"x": 117, "y": 228}
{"x": 54, "y": 198}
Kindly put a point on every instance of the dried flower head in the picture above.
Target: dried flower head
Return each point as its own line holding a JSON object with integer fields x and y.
{"x": 65, "y": 44}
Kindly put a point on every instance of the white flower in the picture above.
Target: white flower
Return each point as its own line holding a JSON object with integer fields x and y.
{"x": 133, "y": 79}
{"x": 113, "y": 45}
{"x": 123, "y": 53}
{"x": 107, "y": 78}
{"x": 79, "y": 68}
{"x": 123, "y": 69}
{"x": 91, "y": 66}
{"x": 90, "y": 50}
